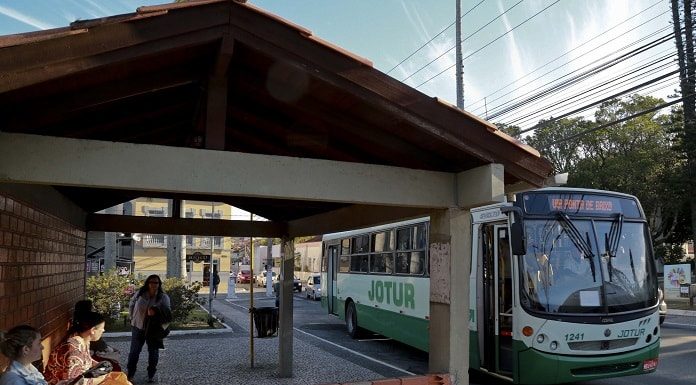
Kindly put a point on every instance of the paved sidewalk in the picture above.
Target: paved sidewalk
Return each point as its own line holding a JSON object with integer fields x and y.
{"x": 223, "y": 356}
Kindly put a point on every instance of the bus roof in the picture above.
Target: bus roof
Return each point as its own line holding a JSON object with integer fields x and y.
{"x": 344, "y": 234}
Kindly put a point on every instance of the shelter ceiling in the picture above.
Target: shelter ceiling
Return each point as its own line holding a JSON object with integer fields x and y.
{"x": 147, "y": 77}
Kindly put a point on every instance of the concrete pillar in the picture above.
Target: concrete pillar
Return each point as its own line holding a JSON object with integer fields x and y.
{"x": 450, "y": 245}
{"x": 110, "y": 244}
{"x": 174, "y": 242}
{"x": 285, "y": 331}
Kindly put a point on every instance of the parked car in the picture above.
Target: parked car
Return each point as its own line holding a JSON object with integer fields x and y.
{"x": 296, "y": 284}
{"x": 313, "y": 287}
{"x": 663, "y": 305}
{"x": 244, "y": 276}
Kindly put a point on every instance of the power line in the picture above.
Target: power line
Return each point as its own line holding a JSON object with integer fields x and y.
{"x": 612, "y": 123}
{"x": 465, "y": 39}
{"x": 597, "y": 89}
{"x": 597, "y": 102}
{"x": 584, "y": 75}
{"x": 614, "y": 60}
{"x": 493, "y": 41}
{"x": 433, "y": 38}
{"x": 568, "y": 52}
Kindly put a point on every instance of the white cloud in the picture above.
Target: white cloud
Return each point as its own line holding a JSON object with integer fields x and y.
{"x": 16, "y": 15}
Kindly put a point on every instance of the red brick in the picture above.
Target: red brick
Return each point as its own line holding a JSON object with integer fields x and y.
{"x": 2, "y": 202}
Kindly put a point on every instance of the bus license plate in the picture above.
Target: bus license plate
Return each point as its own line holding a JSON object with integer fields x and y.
{"x": 649, "y": 365}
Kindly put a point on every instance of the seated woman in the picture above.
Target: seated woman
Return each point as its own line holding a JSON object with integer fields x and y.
{"x": 71, "y": 358}
{"x": 22, "y": 345}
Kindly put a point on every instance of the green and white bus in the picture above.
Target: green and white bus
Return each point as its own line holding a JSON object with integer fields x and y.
{"x": 563, "y": 286}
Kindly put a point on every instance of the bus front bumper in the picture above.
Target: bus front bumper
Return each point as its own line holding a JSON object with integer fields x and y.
{"x": 545, "y": 368}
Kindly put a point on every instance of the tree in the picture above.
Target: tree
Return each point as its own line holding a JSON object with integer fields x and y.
{"x": 634, "y": 157}
{"x": 563, "y": 155}
{"x": 687, "y": 84}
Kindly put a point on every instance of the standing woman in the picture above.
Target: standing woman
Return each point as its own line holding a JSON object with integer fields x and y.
{"x": 146, "y": 303}
{"x": 22, "y": 345}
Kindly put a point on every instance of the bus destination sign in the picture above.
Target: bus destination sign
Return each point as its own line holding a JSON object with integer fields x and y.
{"x": 544, "y": 203}
{"x": 583, "y": 204}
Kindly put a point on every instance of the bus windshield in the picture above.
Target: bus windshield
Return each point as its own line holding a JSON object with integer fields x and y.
{"x": 598, "y": 266}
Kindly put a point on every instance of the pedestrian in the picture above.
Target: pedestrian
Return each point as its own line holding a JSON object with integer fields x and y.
{"x": 148, "y": 302}
{"x": 71, "y": 358}
{"x": 216, "y": 282}
{"x": 100, "y": 350}
{"x": 22, "y": 345}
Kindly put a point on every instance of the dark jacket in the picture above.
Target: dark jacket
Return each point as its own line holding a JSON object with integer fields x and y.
{"x": 157, "y": 326}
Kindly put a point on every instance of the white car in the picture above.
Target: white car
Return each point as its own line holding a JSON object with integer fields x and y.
{"x": 313, "y": 287}
{"x": 274, "y": 279}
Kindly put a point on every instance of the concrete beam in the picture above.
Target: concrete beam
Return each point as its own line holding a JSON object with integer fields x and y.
{"x": 184, "y": 226}
{"x": 353, "y": 217}
{"x": 480, "y": 186}
{"x": 47, "y": 160}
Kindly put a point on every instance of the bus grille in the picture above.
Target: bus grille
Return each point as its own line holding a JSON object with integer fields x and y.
{"x": 604, "y": 369}
{"x": 602, "y": 345}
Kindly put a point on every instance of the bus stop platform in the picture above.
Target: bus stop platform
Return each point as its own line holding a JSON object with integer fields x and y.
{"x": 222, "y": 356}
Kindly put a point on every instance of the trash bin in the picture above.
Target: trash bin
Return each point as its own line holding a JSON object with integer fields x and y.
{"x": 266, "y": 321}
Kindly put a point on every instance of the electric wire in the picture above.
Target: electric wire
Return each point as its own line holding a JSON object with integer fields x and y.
{"x": 661, "y": 78}
{"x": 613, "y": 123}
{"x": 583, "y": 75}
{"x": 465, "y": 39}
{"x": 595, "y": 89}
{"x": 488, "y": 44}
{"x": 603, "y": 33}
{"x": 610, "y": 82}
{"x": 433, "y": 38}
{"x": 619, "y": 58}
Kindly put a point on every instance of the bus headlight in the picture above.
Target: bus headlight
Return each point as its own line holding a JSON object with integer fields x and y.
{"x": 541, "y": 338}
{"x": 553, "y": 345}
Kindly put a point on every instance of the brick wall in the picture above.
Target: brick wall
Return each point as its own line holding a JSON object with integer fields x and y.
{"x": 42, "y": 268}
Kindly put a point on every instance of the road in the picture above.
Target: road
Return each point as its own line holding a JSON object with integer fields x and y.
{"x": 393, "y": 359}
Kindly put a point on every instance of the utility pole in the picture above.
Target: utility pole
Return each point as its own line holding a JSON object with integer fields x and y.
{"x": 458, "y": 59}
{"x": 687, "y": 77}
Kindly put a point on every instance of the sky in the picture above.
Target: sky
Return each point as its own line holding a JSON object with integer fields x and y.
{"x": 513, "y": 49}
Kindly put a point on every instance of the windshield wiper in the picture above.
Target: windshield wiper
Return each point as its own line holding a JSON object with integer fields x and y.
{"x": 577, "y": 239}
{"x": 611, "y": 241}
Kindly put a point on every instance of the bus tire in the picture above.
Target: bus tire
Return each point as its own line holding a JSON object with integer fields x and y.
{"x": 352, "y": 321}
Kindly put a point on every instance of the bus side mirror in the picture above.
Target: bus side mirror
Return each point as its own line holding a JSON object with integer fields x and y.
{"x": 518, "y": 240}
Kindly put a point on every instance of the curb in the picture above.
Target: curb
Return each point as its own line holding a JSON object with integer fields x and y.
{"x": 685, "y": 313}
{"x": 227, "y": 329}
{"x": 430, "y": 379}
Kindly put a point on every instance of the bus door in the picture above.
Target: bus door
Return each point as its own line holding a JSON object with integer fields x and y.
{"x": 331, "y": 274}
{"x": 496, "y": 354}
{"x": 503, "y": 288}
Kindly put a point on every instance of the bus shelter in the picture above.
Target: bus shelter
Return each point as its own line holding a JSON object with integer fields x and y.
{"x": 222, "y": 101}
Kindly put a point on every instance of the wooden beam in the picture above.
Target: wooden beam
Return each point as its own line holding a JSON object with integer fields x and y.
{"x": 216, "y": 115}
{"x": 185, "y": 226}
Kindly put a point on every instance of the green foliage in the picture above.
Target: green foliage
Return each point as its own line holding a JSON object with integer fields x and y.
{"x": 669, "y": 253}
{"x": 639, "y": 156}
{"x": 184, "y": 297}
{"x": 109, "y": 293}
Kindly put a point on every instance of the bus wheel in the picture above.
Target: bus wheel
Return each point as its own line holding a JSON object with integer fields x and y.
{"x": 352, "y": 321}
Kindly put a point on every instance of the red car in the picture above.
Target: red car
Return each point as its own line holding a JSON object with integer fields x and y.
{"x": 244, "y": 276}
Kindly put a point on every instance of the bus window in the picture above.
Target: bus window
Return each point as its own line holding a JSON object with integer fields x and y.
{"x": 324, "y": 260}
{"x": 403, "y": 239}
{"x": 410, "y": 263}
{"x": 344, "y": 264}
{"x": 382, "y": 241}
{"x": 420, "y": 238}
{"x": 345, "y": 247}
{"x": 360, "y": 244}
{"x": 381, "y": 263}
{"x": 359, "y": 263}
